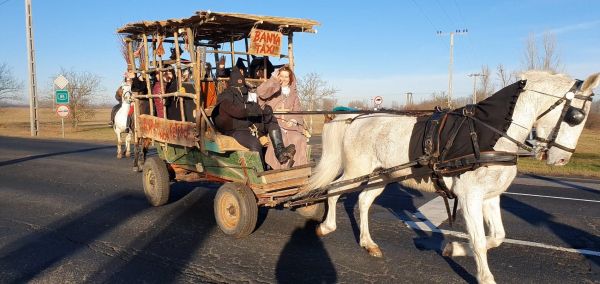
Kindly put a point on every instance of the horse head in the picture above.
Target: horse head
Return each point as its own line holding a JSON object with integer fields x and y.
{"x": 127, "y": 95}
{"x": 559, "y": 126}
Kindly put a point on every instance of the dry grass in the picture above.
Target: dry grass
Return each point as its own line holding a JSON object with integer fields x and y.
{"x": 585, "y": 161}
{"x": 14, "y": 121}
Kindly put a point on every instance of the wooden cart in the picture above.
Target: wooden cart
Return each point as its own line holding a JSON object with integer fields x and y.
{"x": 190, "y": 149}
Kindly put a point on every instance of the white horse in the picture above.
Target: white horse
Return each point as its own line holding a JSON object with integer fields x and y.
{"x": 121, "y": 121}
{"x": 359, "y": 146}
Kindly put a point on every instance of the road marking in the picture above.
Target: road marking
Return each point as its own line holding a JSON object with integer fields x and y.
{"x": 423, "y": 226}
{"x": 557, "y": 183}
{"x": 554, "y": 197}
{"x": 433, "y": 213}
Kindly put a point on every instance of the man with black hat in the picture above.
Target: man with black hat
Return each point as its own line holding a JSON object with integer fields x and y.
{"x": 241, "y": 117}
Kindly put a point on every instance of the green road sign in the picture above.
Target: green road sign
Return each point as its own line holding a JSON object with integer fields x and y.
{"x": 62, "y": 97}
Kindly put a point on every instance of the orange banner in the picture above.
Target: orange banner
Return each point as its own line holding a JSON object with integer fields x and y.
{"x": 263, "y": 42}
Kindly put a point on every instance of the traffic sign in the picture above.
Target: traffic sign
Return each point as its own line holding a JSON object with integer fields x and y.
{"x": 378, "y": 100}
{"x": 62, "y": 97}
{"x": 61, "y": 82}
{"x": 62, "y": 111}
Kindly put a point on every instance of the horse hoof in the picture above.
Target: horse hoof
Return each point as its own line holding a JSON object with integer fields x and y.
{"x": 447, "y": 251}
{"x": 127, "y": 155}
{"x": 319, "y": 232}
{"x": 119, "y": 156}
{"x": 375, "y": 252}
{"x": 136, "y": 169}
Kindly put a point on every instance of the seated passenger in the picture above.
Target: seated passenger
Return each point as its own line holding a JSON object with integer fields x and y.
{"x": 280, "y": 93}
{"x": 241, "y": 117}
{"x": 257, "y": 68}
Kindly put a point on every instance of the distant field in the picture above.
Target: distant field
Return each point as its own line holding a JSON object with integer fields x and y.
{"x": 14, "y": 121}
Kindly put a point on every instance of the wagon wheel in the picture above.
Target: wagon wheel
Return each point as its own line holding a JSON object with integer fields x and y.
{"x": 236, "y": 211}
{"x": 312, "y": 212}
{"x": 156, "y": 181}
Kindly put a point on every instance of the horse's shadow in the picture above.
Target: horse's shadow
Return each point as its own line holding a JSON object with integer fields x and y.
{"x": 399, "y": 201}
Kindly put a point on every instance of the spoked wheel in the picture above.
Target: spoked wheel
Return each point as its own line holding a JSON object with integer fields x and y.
{"x": 156, "y": 181}
{"x": 312, "y": 212}
{"x": 236, "y": 211}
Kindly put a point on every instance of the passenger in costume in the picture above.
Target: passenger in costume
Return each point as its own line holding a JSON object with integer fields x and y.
{"x": 280, "y": 93}
{"x": 239, "y": 115}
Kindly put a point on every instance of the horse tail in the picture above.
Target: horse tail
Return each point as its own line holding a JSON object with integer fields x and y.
{"x": 330, "y": 165}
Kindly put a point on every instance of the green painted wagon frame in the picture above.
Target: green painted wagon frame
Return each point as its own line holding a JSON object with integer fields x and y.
{"x": 191, "y": 149}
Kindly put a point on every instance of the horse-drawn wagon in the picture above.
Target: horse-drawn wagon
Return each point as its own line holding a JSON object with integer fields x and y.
{"x": 189, "y": 147}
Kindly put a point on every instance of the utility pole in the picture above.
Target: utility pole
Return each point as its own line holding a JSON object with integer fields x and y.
{"x": 456, "y": 32}
{"x": 33, "y": 105}
{"x": 474, "y": 84}
{"x": 409, "y": 99}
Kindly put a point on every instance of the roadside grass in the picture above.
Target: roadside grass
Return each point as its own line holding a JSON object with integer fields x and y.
{"x": 14, "y": 121}
{"x": 585, "y": 162}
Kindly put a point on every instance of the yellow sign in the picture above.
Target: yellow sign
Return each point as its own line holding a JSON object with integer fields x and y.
{"x": 263, "y": 42}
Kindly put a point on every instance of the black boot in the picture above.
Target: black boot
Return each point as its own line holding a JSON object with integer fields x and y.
{"x": 282, "y": 153}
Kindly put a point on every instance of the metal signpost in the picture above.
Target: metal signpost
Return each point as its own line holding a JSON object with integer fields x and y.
{"x": 61, "y": 98}
{"x": 62, "y": 111}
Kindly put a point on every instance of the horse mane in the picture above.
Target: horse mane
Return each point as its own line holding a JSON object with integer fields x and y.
{"x": 547, "y": 82}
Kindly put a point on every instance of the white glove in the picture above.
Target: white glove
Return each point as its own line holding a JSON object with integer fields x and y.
{"x": 252, "y": 97}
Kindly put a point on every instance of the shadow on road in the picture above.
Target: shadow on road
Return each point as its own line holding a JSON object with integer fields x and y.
{"x": 565, "y": 183}
{"x": 403, "y": 207}
{"x": 164, "y": 252}
{"x": 25, "y": 159}
{"x": 22, "y": 260}
{"x": 576, "y": 238}
{"x": 304, "y": 258}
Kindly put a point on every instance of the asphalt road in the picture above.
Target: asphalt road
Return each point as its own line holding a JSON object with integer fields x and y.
{"x": 71, "y": 212}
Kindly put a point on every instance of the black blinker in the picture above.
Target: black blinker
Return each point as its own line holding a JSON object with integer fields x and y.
{"x": 574, "y": 116}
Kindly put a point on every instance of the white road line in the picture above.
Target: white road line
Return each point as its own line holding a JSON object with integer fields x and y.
{"x": 433, "y": 213}
{"x": 424, "y": 227}
{"x": 556, "y": 183}
{"x": 554, "y": 197}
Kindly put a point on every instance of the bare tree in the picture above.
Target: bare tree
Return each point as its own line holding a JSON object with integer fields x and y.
{"x": 9, "y": 86}
{"x": 505, "y": 77}
{"x": 358, "y": 104}
{"x": 531, "y": 57}
{"x": 312, "y": 91}
{"x": 486, "y": 88}
{"x": 328, "y": 103}
{"x": 83, "y": 87}
{"x": 550, "y": 59}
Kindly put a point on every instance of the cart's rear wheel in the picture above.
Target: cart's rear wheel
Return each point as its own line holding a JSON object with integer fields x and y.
{"x": 156, "y": 181}
{"x": 236, "y": 211}
{"x": 313, "y": 212}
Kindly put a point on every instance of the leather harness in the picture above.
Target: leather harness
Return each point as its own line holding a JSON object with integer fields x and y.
{"x": 435, "y": 154}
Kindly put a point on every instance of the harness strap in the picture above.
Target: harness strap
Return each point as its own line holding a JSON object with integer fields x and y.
{"x": 521, "y": 145}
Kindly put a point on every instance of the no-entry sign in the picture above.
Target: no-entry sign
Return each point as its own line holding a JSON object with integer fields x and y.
{"x": 378, "y": 100}
{"x": 62, "y": 111}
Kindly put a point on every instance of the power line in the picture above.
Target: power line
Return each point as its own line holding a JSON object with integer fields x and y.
{"x": 425, "y": 14}
{"x": 445, "y": 13}
{"x": 4, "y": 2}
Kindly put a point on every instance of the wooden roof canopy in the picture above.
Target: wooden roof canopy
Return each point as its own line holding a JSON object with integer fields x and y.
{"x": 217, "y": 27}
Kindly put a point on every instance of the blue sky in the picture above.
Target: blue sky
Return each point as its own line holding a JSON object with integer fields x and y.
{"x": 362, "y": 48}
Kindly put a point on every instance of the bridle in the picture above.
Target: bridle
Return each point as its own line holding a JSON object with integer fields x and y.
{"x": 571, "y": 115}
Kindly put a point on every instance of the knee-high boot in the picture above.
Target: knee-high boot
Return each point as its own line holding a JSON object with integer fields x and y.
{"x": 282, "y": 153}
